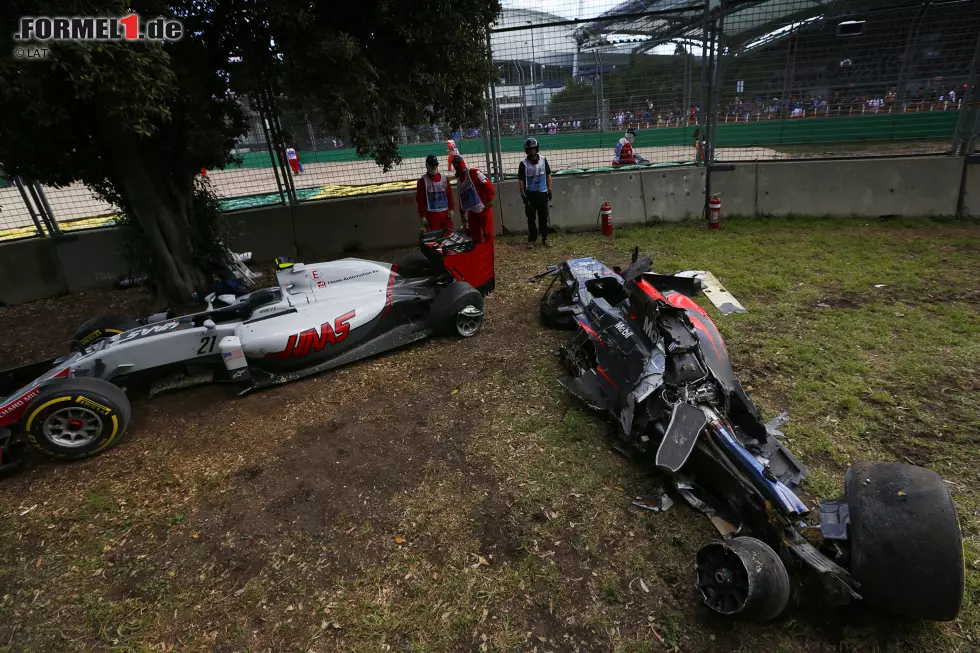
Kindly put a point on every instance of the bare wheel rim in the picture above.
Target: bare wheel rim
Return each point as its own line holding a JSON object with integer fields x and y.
{"x": 468, "y": 321}
{"x": 72, "y": 427}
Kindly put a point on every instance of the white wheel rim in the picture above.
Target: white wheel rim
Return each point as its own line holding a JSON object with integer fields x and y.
{"x": 468, "y": 321}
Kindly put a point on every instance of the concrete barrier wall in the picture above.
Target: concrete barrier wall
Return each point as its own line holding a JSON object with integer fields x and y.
{"x": 30, "y": 270}
{"x": 971, "y": 190}
{"x": 925, "y": 186}
{"x": 38, "y": 268}
{"x": 90, "y": 259}
{"x": 266, "y": 232}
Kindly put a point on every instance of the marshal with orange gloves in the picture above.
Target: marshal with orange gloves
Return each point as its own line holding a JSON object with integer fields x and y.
{"x": 476, "y": 194}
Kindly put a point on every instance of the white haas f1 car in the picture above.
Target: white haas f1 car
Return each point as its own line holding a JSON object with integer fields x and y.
{"x": 317, "y": 317}
{"x": 652, "y": 359}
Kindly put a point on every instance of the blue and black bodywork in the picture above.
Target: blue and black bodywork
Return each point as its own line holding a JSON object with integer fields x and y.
{"x": 649, "y": 356}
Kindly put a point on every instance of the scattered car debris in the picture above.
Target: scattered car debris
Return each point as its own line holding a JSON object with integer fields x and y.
{"x": 723, "y": 300}
{"x": 642, "y": 506}
{"x": 647, "y": 355}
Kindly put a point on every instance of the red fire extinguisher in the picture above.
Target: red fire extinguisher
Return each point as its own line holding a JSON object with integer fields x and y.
{"x": 714, "y": 213}
{"x": 605, "y": 215}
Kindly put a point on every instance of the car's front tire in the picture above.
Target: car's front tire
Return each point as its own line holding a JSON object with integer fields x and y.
{"x": 100, "y": 328}
{"x": 77, "y": 418}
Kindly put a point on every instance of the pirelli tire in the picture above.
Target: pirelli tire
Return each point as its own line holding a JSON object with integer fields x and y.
{"x": 77, "y": 418}
{"x": 416, "y": 261}
{"x": 552, "y": 315}
{"x": 906, "y": 544}
{"x": 100, "y": 328}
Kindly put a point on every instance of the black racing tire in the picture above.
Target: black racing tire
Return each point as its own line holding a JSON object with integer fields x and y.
{"x": 906, "y": 545}
{"x": 77, "y": 418}
{"x": 743, "y": 577}
{"x": 100, "y": 328}
{"x": 448, "y": 310}
{"x": 551, "y": 317}
{"x": 417, "y": 261}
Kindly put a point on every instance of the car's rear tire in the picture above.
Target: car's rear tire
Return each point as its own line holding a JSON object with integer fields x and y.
{"x": 551, "y": 316}
{"x": 417, "y": 261}
{"x": 743, "y": 577}
{"x": 100, "y": 328}
{"x": 77, "y": 418}
{"x": 906, "y": 545}
{"x": 458, "y": 310}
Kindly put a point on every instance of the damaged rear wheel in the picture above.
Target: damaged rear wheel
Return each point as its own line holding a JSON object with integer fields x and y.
{"x": 906, "y": 545}
{"x": 743, "y": 577}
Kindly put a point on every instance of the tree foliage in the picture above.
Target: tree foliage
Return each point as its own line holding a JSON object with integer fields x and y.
{"x": 137, "y": 121}
{"x": 577, "y": 100}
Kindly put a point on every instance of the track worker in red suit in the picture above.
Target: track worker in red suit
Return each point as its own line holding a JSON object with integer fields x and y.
{"x": 476, "y": 194}
{"x": 434, "y": 197}
{"x": 623, "y": 154}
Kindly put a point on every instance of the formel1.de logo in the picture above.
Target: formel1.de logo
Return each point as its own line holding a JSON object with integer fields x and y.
{"x": 98, "y": 28}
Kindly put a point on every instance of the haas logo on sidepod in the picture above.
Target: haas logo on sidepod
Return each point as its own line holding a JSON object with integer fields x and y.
{"x": 301, "y": 344}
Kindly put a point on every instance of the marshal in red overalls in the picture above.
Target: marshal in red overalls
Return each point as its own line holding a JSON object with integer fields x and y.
{"x": 434, "y": 199}
{"x": 476, "y": 194}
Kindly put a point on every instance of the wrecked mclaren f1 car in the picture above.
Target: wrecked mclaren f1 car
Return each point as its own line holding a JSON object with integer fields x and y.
{"x": 650, "y": 357}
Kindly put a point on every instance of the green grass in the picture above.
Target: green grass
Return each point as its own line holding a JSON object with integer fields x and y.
{"x": 879, "y": 373}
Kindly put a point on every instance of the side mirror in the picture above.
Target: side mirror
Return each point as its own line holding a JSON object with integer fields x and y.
{"x": 208, "y": 324}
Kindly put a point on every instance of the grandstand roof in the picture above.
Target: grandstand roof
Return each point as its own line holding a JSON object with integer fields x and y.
{"x": 746, "y": 21}
{"x": 545, "y": 38}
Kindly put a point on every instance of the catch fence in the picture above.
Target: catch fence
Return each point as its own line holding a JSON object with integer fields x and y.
{"x": 700, "y": 83}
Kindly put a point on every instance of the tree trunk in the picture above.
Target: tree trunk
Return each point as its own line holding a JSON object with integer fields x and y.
{"x": 160, "y": 200}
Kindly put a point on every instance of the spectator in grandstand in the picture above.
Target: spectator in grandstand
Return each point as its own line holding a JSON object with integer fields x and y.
{"x": 433, "y": 197}
{"x": 534, "y": 178}
{"x": 952, "y": 96}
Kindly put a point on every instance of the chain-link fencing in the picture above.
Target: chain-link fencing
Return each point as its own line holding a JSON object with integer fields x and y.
{"x": 695, "y": 82}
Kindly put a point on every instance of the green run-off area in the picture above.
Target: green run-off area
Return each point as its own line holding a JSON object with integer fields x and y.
{"x": 761, "y": 133}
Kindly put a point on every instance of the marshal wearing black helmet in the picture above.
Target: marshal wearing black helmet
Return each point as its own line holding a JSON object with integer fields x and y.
{"x": 433, "y": 197}
{"x": 534, "y": 175}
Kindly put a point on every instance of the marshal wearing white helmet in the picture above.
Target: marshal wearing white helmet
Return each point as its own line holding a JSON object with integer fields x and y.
{"x": 623, "y": 154}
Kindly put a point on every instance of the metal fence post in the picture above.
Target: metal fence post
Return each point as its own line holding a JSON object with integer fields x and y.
{"x": 718, "y": 81}
{"x": 30, "y": 207}
{"x": 42, "y": 210}
{"x": 969, "y": 98}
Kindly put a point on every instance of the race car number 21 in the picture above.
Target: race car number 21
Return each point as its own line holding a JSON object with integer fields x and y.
{"x": 313, "y": 340}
